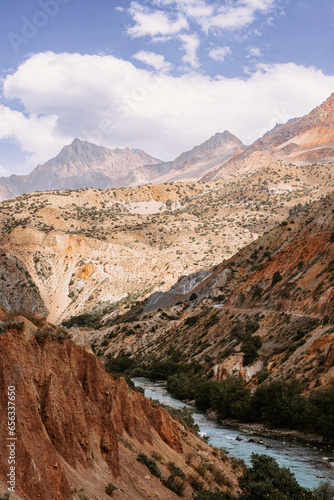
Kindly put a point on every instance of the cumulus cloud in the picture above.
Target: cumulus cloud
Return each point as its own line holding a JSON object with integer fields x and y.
{"x": 152, "y": 23}
{"x": 111, "y": 102}
{"x": 190, "y": 45}
{"x": 35, "y": 134}
{"x": 157, "y": 61}
{"x": 254, "y": 52}
{"x": 155, "y": 20}
{"x": 237, "y": 15}
{"x": 219, "y": 53}
{"x": 209, "y": 15}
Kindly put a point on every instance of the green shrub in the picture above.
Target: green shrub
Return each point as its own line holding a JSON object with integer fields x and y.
{"x": 86, "y": 319}
{"x": 150, "y": 463}
{"x": 276, "y": 278}
{"x": 278, "y": 403}
{"x": 181, "y": 386}
{"x": 250, "y": 352}
{"x": 201, "y": 469}
{"x": 175, "y": 470}
{"x": 174, "y": 484}
{"x": 266, "y": 479}
{"x": 183, "y": 415}
{"x": 211, "y": 495}
{"x": 262, "y": 375}
{"x": 230, "y": 398}
{"x": 325, "y": 491}
{"x": 161, "y": 370}
{"x": 120, "y": 364}
{"x": 252, "y": 326}
{"x": 137, "y": 372}
{"x": 195, "y": 482}
{"x": 191, "y": 321}
{"x": 220, "y": 476}
{"x": 110, "y": 488}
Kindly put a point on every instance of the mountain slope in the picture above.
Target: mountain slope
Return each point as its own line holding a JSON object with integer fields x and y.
{"x": 193, "y": 164}
{"x": 78, "y": 429}
{"x": 280, "y": 288}
{"x": 83, "y": 164}
{"x": 303, "y": 141}
{"x": 95, "y": 250}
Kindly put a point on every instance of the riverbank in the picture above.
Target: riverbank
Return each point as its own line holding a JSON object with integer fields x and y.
{"x": 305, "y": 460}
{"x": 282, "y": 434}
{"x": 262, "y": 430}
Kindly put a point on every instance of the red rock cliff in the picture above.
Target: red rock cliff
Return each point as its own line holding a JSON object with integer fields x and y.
{"x": 70, "y": 415}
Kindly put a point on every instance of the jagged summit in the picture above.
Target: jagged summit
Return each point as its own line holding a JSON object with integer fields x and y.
{"x": 87, "y": 153}
{"x": 83, "y": 164}
{"x": 192, "y": 164}
{"x": 306, "y": 140}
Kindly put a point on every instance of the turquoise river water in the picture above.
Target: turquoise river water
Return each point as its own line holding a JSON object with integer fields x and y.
{"x": 306, "y": 462}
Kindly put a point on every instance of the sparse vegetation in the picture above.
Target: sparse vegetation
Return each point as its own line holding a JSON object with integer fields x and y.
{"x": 150, "y": 463}
{"x": 110, "y": 489}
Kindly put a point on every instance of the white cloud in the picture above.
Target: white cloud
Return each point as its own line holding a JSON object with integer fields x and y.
{"x": 191, "y": 8}
{"x": 209, "y": 16}
{"x": 190, "y": 45}
{"x": 237, "y": 15}
{"x": 35, "y": 134}
{"x": 219, "y": 53}
{"x": 157, "y": 61}
{"x": 111, "y": 102}
{"x": 155, "y": 21}
{"x": 254, "y": 52}
{"x": 152, "y": 23}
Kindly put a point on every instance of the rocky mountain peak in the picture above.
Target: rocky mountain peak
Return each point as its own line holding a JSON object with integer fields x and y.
{"x": 217, "y": 141}
{"x": 77, "y": 148}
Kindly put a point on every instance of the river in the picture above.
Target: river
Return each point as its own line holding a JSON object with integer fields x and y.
{"x": 304, "y": 461}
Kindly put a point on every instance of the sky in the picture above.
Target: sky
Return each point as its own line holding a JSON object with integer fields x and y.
{"x": 158, "y": 75}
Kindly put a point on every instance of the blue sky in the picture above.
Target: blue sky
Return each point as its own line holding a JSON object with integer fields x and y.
{"x": 160, "y": 75}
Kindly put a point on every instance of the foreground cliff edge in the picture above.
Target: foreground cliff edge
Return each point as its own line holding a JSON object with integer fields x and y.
{"x": 78, "y": 430}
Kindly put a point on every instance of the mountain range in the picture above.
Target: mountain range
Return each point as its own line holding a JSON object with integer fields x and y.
{"x": 222, "y": 282}
{"x": 82, "y": 164}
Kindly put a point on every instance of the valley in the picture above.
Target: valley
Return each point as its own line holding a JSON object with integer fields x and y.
{"x": 213, "y": 272}
{"x": 89, "y": 249}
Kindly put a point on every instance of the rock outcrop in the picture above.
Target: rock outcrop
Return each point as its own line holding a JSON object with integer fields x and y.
{"x": 78, "y": 428}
